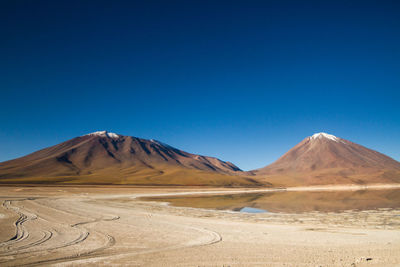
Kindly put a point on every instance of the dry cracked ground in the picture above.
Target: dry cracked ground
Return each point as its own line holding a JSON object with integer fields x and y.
{"x": 105, "y": 226}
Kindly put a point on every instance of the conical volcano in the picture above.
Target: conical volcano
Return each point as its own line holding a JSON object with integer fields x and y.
{"x": 326, "y": 159}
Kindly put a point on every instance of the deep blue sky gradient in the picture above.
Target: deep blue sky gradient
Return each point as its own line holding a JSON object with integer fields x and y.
{"x": 240, "y": 80}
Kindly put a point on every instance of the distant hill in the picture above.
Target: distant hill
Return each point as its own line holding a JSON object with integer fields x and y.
{"x": 108, "y": 158}
{"x": 327, "y": 159}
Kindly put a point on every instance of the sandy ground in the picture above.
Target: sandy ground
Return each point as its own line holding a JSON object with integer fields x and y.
{"x": 69, "y": 226}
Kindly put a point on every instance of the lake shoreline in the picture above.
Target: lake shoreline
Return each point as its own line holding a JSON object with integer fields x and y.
{"x": 109, "y": 227}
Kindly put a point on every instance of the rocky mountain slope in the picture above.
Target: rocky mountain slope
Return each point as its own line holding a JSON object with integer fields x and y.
{"x": 108, "y": 158}
{"x": 326, "y": 159}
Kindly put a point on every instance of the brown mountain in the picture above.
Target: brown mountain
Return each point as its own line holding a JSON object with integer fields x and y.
{"x": 108, "y": 158}
{"x": 327, "y": 159}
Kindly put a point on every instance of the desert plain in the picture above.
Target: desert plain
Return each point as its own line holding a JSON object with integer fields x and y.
{"x": 115, "y": 226}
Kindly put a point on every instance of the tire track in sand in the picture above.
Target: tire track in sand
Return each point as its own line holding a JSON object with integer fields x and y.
{"x": 21, "y": 232}
{"x": 208, "y": 237}
{"x": 214, "y": 237}
{"x": 110, "y": 241}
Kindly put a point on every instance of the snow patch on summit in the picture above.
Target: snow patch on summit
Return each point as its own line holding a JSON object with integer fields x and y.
{"x": 324, "y": 135}
{"x": 104, "y": 134}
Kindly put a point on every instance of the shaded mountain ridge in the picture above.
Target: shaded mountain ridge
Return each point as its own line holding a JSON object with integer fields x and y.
{"x": 104, "y": 157}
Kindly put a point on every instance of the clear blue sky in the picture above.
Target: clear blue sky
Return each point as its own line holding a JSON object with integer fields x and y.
{"x": 240, "y": 80}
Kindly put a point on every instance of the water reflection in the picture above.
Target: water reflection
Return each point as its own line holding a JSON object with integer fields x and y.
{"x": 292, "y": 202}
{"x": 252, "y": 210}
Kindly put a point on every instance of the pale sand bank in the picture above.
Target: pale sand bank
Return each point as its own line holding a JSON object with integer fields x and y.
{"x": 266, "y": 190}
{"x": 106, "y": 226}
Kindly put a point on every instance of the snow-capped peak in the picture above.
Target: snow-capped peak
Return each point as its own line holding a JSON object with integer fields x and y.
{"x": 325, "y": 135}
{"x": 104, "y": 134}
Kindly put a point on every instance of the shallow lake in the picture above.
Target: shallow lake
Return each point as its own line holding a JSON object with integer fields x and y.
{"x": 290, "y": 202}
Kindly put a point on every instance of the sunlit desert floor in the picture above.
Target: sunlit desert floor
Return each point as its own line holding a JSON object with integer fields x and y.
{"x": 70, "y": 226}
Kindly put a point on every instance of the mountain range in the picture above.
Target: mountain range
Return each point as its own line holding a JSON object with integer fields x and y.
{"x": 107, "y": 158}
